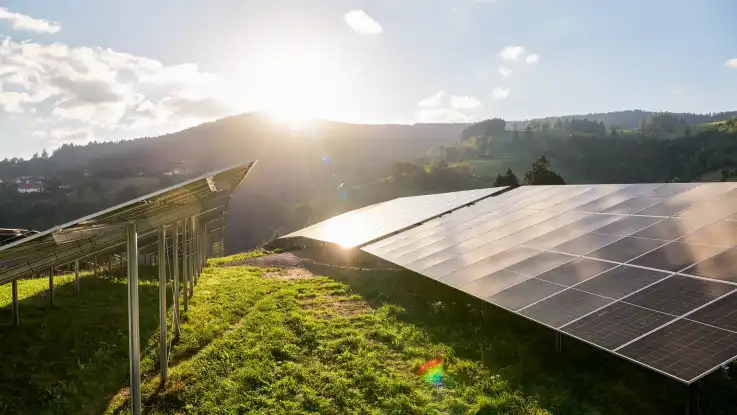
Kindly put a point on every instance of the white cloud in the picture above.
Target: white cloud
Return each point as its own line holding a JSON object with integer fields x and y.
{"x": 433, "y": 101}
{"x": 500, "y": 93}
{"x": 532, "y": 58}
{"x": 464, "y": 102}
{"x": 81, "y": 92}
{"x": 732, "y": 63}
{"x": 362, "y": 23}
{"x": 512, "y": 53}
{"x": 676, "y": 90}
{"x": 440, "y": 115}
{"x": 505, "y": 72}
{"x": 28, "y": 23}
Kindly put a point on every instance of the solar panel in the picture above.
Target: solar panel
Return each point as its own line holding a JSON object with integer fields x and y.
{"x": 491, "y": 284}
{"x": 576, "y": 271}
{"x": 621, "y": 281}
{"x": 607, "y": 264}
{"x": 625, "y": 249}
{"x": 671, "y": 229}
{"x": 721, "y": 313}
{"x": 586, "y": 243}
{"x": 723, "y": 233}
{"x": 525, "y": 293}
{"x": 616, "y": 324}
{"x": 564, "y": 307}
{"x": 684, "y": 349}
{"x": 60, "y": 245}
{"x": 721, "y": 266}
{"x": 676, "y": 256}
{"x": 678, "y": 295}
{"x": 365, "y": 225}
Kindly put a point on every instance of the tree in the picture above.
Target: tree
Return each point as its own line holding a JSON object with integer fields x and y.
{"x": 528, "y": 132}
{"x": 687, "y": 132}
{"x": 44, "y": 154}
{"x": 541, "y": 174}
{"x": 614, "y": 132}
{"x": 482, "y": 143}
{"x": 558, "y": 125}
{"x": 506, "y": 179}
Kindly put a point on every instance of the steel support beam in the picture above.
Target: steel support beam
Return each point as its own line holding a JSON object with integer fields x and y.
{"x": 76, "y": 274}
{"x": 51, "y": 285}
{"x": 164, "y": 360}
{"x": 190, "y": 244}
{"x": 134, "y": 336}
{"x": 16, "y": 308}
{"x": 175, "y": 274}
{"x": 185, "y": 261}
{"x": 94, "y": 270}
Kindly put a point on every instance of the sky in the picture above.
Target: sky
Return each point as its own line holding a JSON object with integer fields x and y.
{"x": 82, "y": 70}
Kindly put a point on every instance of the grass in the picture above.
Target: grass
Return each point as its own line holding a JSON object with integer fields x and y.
{"x": 347, "y": 344}
{"x": 237, "y": 257}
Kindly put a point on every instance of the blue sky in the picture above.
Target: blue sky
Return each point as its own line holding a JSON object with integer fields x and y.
{"x": 76, "y": 70}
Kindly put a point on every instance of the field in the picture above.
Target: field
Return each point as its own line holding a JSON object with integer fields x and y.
{"x": 287, "y": 341}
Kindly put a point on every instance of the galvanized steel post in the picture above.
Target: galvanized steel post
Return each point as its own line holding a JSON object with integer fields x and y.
{"x": 76, "y": 274}
{"x": 16, "y": 312}
{"x": 185, "y": 267}
{"x": 175, "y": 272}
{"x": 162, "y": 303}
{"x": 51, "y": 285}
{"x": 134, "y": 345}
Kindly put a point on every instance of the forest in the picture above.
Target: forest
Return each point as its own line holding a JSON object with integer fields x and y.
{"x": 309, "y": 175}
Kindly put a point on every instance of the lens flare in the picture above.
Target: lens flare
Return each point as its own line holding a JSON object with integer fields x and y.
{"x": 432, "y": 371}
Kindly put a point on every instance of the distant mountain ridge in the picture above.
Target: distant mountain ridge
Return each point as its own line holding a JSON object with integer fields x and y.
{"x": 630, "y": 119}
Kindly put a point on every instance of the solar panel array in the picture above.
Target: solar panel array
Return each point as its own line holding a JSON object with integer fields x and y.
{"x": 645, "y": 271}
{"x": 206, "y": 197}
{"x": 365, "y": 225}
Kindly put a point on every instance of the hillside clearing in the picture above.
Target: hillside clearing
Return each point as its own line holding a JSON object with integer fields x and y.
{"x": 261, "y": 341}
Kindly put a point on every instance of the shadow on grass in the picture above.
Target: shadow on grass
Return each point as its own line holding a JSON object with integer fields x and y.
{"x": 580, "y": 380}
{"x": 73, "y": 356}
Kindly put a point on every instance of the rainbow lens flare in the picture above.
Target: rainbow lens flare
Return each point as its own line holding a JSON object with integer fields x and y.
{"x": 432, "y": 371}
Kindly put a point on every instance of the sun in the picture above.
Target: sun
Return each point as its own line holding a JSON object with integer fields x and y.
{"x": 296, "y": 84}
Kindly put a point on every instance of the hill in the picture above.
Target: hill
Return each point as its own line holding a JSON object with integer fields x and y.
{"x": 294, "y": 166}
{"x": 632, "y": 119}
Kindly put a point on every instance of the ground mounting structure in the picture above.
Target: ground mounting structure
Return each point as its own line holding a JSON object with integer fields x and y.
{"x": 647, "y": 272}
{"x": 180, "y": 226}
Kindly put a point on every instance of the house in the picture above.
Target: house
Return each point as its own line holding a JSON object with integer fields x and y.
{"x": 24, "y": 180}
{"x": 176, "y": 172}
{"x": 35, "y": 187}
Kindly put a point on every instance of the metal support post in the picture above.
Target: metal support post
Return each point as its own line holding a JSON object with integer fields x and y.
{"x": 692, "y": 403}
{"x": 175, "y": 272}
{"x": 134, "y": 335}
{"x": 76, "y": 274}
{"x": 94, "y": 270}
{"x": 185, "y": 261}
{"x": 121, "y": 265}
{"x": 110, "y": 265}
{"x": 558, "y": 342}
{"x": 51, "y": 285}
{"x": 162, "y": 303}
{"x": 16, "y": 312}
{"x": 190, "y": 244}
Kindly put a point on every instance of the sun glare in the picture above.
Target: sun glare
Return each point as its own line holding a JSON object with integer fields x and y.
{"x": 297, "y": 84}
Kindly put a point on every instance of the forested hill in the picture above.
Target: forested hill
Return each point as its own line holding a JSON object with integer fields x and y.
{"x": 631, "y": 119}
{"x": 294, "y": 165}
